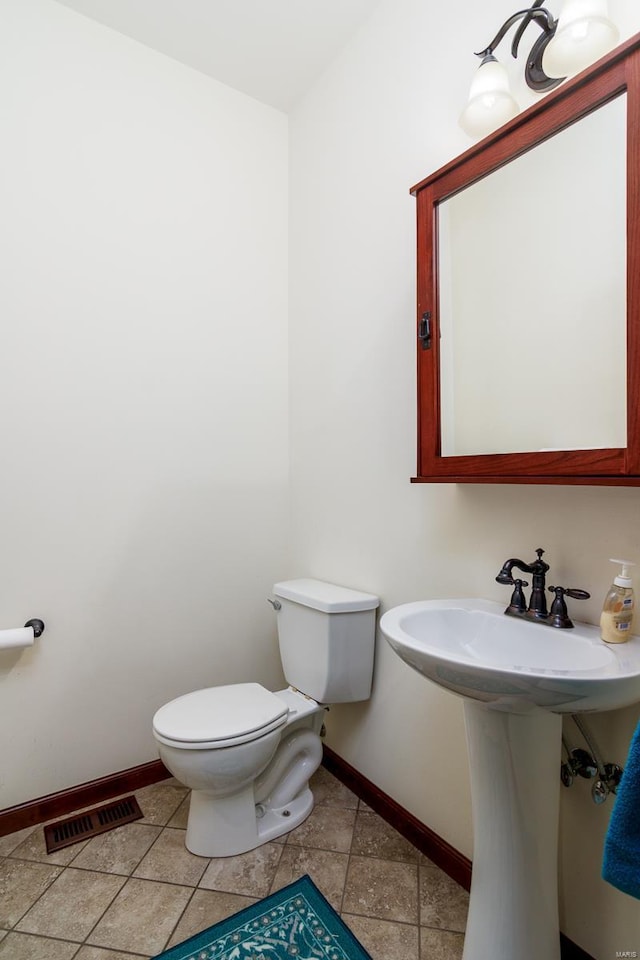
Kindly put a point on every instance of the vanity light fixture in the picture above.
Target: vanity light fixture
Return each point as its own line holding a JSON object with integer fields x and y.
{"x": 581, "y": 34}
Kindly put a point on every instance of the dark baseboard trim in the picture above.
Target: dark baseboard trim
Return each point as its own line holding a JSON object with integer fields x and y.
{"x": 571, "y": 951}
{"x": 457, "y": 866}
{"x": 84, "y": 795}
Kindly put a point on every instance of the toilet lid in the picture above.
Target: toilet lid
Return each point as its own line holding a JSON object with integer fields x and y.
{"x": 238, "y": 710}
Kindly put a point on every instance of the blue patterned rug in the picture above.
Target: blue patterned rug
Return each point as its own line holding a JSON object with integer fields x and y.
{"x": 295, "y": 922}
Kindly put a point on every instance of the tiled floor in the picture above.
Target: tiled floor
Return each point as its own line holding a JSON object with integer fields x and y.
{"x": 132, "y": 892}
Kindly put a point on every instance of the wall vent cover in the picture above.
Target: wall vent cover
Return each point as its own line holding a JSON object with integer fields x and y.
{"x": 91, "y": 823}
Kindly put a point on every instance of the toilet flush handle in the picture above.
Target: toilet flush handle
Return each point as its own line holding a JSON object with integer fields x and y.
{"x": 274, "y": 603}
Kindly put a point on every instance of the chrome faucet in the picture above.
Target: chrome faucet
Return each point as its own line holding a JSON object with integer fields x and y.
{"x": 537, "y": 609}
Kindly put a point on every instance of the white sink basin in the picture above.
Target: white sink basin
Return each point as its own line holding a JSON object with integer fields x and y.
{"x": 471, "y": 648}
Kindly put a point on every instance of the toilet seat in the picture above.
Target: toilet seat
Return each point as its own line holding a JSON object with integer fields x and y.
{"x": 219, "y": 717}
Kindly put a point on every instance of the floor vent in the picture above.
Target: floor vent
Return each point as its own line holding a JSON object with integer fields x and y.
{"x": 91, "y": 823}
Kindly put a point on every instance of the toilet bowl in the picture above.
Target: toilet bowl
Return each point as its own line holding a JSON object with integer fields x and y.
{"x": 246, "y": 753}
{"x": 249, "y": 782}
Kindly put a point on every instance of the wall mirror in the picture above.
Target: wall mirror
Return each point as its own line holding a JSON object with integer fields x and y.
{"x": 529, "y": 293}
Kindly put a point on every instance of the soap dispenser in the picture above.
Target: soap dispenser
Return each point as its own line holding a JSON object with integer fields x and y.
{"x": 617, "y": 612}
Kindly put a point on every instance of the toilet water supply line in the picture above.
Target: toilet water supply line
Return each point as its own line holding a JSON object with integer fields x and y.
{"x": 298, "y": 757}
{"x": 589, "y": 764}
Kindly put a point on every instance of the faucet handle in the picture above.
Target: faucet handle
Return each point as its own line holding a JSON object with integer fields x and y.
{"x": 517, "y": 604}
{"x": 569, "y": 592}
{"x": 559, "y": 614}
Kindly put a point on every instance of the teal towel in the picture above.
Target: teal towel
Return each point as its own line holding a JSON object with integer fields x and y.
{"x": 621, "y": 864}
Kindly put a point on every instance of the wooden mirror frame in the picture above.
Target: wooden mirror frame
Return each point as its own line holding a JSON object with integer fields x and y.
{"x": 617, "y": 73}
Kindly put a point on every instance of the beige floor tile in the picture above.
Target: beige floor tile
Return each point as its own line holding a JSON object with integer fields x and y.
{"x": 142, "y": 917}
{"x": 35, "y": 848}
{"x": 3, "y": 934}
{"x": 169, "y": 860}
{"x": 13, "y": 840}
{"x": 328, "y": 791}
{"x": 118, "y": 851}
{"x": 21, "y": 883}
{"x": 160, "y": 801}
{"x": 327, "y": 869}
{"x": 97, "y": 953}
{"x": 72, "y": 905}
{"x": 22, "y": 946}
{"x": 327, "y": 828}
{"x": 207, "y": 907}
{"x": 374, "y": 837}
{"x": 180, "y": 817}
{"x": 250, "y": 874}
{"x": 440, "y": 945}
{"x": 443, "y": 903}
{"x": 424, "y": 861}
{"x": 385, "y": 940}
{"x": 385, "y": 889}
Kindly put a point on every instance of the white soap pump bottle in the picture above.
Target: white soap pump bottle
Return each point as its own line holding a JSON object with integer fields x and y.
{"x": 617, "y": 612}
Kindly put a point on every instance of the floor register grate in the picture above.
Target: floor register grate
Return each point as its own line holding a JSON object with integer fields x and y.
{"x": 91, "y": 823}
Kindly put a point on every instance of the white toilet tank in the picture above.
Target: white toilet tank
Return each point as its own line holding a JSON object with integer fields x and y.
{"x": 327, "y": 639}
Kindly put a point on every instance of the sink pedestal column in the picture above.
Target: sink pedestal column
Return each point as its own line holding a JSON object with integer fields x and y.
{"x": 514, "y": 762}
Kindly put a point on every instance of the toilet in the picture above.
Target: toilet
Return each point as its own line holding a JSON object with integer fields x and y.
{"x": 246, "y": 753}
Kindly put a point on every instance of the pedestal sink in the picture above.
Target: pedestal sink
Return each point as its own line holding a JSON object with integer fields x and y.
{"x": 516, "y": 678}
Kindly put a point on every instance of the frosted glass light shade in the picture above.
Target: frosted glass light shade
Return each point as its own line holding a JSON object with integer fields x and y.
{"x": 490, "y": 101}
{"x": 584, "y": 34}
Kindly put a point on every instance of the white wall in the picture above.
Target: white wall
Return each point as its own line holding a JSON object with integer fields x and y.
{"x": 143, "y": 391}
{"x": 382, "y": 118}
